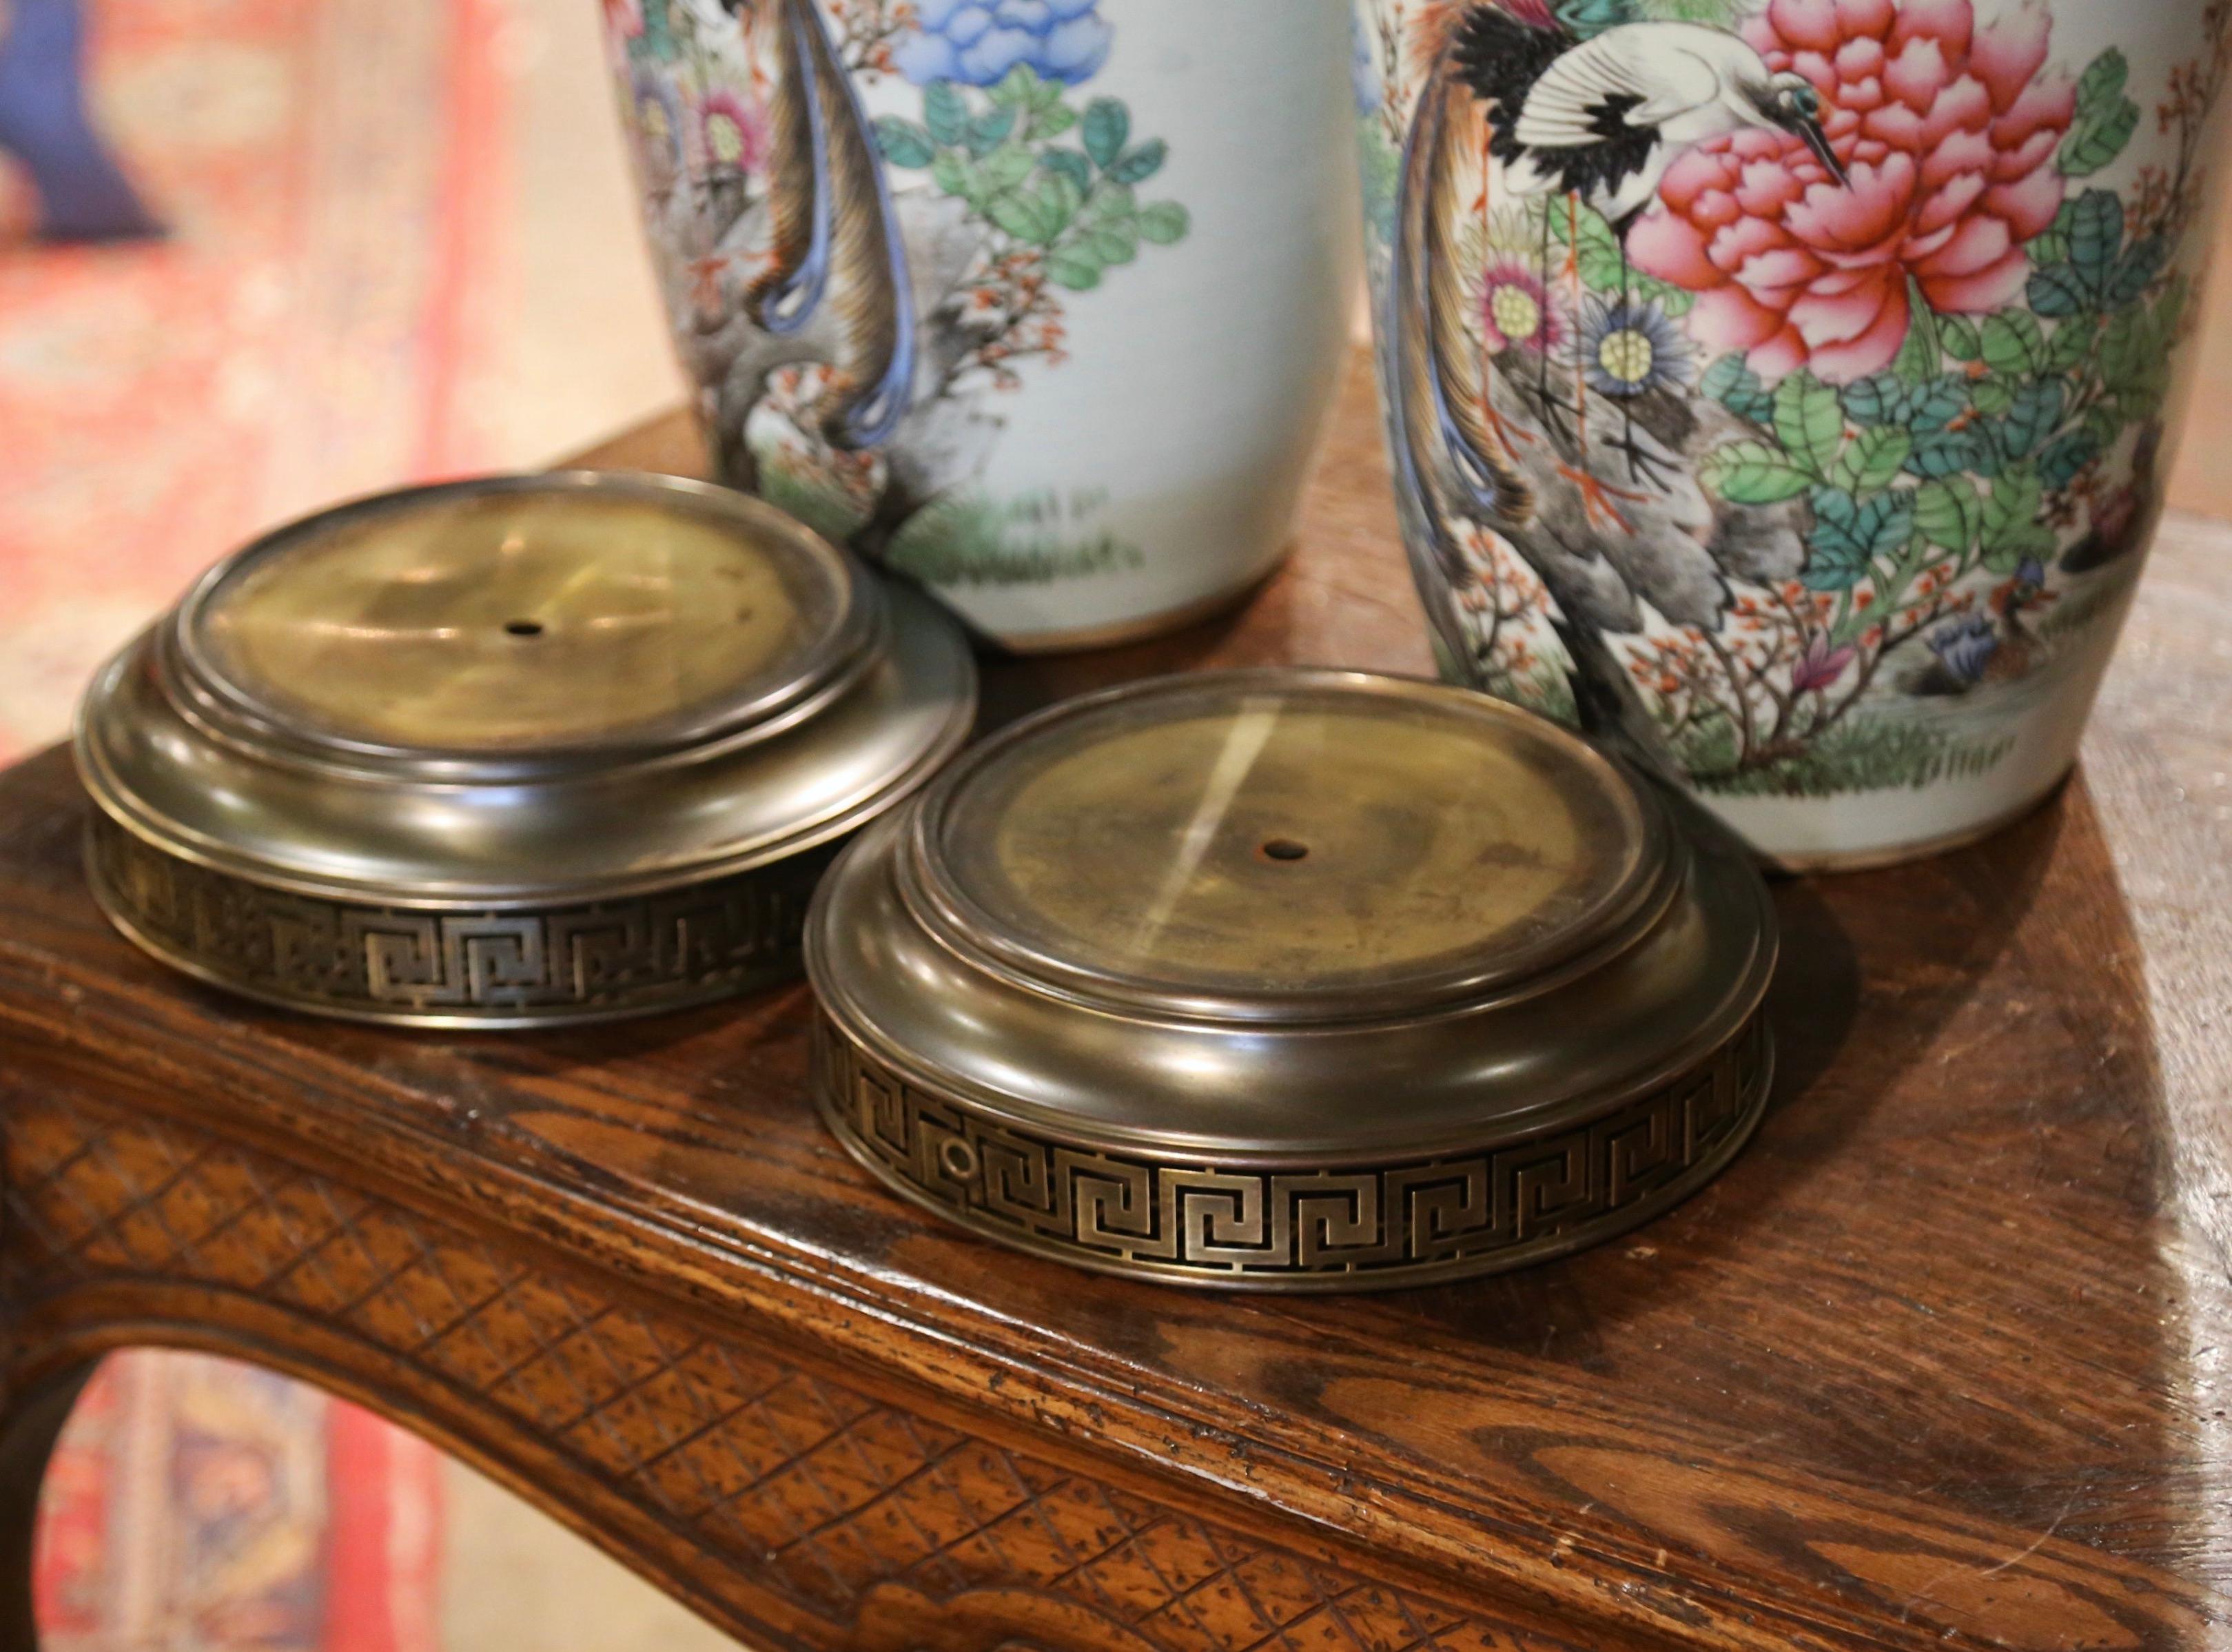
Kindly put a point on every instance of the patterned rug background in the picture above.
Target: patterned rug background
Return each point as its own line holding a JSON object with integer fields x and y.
{"x": 375, "y": 274}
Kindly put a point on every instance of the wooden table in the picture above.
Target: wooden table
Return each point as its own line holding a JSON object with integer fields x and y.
{"x": 1937, "y": 1363}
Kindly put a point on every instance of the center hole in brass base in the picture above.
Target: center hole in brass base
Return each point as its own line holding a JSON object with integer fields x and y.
{"x": 523, "y": 628}
{"x": 1284, "y": 848}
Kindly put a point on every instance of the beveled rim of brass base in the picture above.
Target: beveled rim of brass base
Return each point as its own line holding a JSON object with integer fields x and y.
{"x": 961, "y": 924}
{"x": 823, "y": 670}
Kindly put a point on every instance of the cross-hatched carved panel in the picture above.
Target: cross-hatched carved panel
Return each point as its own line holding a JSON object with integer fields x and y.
{"x": 1393, "y": 1224}
{"x": 834, "y": 1501}
{"x": 652, "y": 952}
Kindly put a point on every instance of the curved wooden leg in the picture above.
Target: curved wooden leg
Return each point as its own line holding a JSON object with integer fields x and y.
{"x": 29, "y": 1428}
{"x": 796, "y": 1503}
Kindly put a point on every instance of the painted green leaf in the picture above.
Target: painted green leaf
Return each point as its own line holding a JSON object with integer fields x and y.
{"x": 988, "y": 131}
{"x": 2013, "y": 342}
{"x": 1113, "y": 246}
{"x": 2058, "y": 291}
{"x": 2170, "y": 307}
{"x": 2124, "y": 351}
{"x": 1165, "y": 224}
{"x": 1937, "y": 404}
{"x": 2011, "y": 508}
{"x": 1920, "y": 354}
{"x": 1074, "y": 270}
{"x": 2098, "y": 141}
{"x": 1958, "y": 334}
{"x": 945, "y": 112}
{"x": 2067, "y": 456}
{"x": 1111, "y": 201}
{"x": 2096, "y": 236}
{"x": 1945, "y": 453}
{"x": 2102, "y": 83}
{"x": 1877, "y": 399}
{"x": 1731, "y": 381}
{"x": 1728, "y": 373}
{"x": 1107, "y": 129}
{"x": 1142, "y": 163}
{"x": 1588, "y": 17}
{"x": 2071, "y": 343}
{"x": 1848, "y": 533}
{"x": 1053, "y": 121}
{"x": 1067, "y": 163}
{"x": 1059, "y": 199}
{"x": 1596, "y": 249}
{"x": 1992, "y": 397}
{"x": 957, "y": 175}
{"x": 2137, "y": 271}
{"x": 1809, "y": 421}
{"x": 1006, "y": 167}
{"x": 1019, "y": 216}
{"x": 1017, "y": 87}
{"x": 1754, "y": 473}
{"x": 2035, "y": 413}
{"x": 1948, "y": 513}
{"x": 903, "y": 143}
{"x": 1872, "y": 459}
{"x": 2102, "y": 424}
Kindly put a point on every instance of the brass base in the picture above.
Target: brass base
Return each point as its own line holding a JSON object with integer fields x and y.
{"x": 489, "y": 967}
{"x": 1231, "y": 1224}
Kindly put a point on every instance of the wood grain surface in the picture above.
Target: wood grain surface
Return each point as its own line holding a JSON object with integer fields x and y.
{"x": 1938, "y": 1362}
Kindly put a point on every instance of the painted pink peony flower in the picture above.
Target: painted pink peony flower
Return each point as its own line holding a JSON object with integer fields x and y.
{"x": 1948, "y": 133}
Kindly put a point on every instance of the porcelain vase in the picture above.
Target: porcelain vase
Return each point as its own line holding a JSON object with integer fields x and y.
{"x": 1784, "y": 390}
{"x": 1041, "y": 303}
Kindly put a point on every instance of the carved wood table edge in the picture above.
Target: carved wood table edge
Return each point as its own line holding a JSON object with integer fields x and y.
{"x": 589, "y": 1280}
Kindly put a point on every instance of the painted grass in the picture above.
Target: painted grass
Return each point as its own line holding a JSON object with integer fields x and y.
{"x": 1864, "y": 754}
{"x": 969, "y": 541}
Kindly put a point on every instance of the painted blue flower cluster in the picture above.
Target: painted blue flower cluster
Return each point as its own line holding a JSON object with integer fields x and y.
{"x": 977, "y": 42}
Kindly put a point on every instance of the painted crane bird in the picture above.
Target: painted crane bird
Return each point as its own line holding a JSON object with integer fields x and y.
{"x": 1513, "y": 440}
{"x": 836, "y": 239}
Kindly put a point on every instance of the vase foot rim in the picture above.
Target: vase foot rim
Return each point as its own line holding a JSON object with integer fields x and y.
{"x": 1807, "y": 863}
{"x": 1081, "y": 639}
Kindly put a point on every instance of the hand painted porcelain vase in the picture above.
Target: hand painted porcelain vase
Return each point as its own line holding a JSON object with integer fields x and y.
{"x": 1041, "y": 303}
{"x": 1779, "y": 387}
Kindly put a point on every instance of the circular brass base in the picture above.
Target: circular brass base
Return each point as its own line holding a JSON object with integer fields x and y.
{"x": 490, "y": 967}
{"x": 1234, "y": 1224}
{"x": 1291, "y": 980}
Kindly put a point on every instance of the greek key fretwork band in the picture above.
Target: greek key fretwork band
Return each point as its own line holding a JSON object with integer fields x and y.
{"x": 1269, "y": 1230}
{"x": 379, "y": 962}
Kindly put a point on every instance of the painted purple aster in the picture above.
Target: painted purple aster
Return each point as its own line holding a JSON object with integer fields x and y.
{"x": 978, "y": 41}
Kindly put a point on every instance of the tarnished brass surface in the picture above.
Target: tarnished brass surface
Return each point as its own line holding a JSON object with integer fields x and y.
{"x": 1292, "y": 979}
{"x": 1298, "y": 839}
{"x": 522, "y": 750}
{"x": 483, "y": 621}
